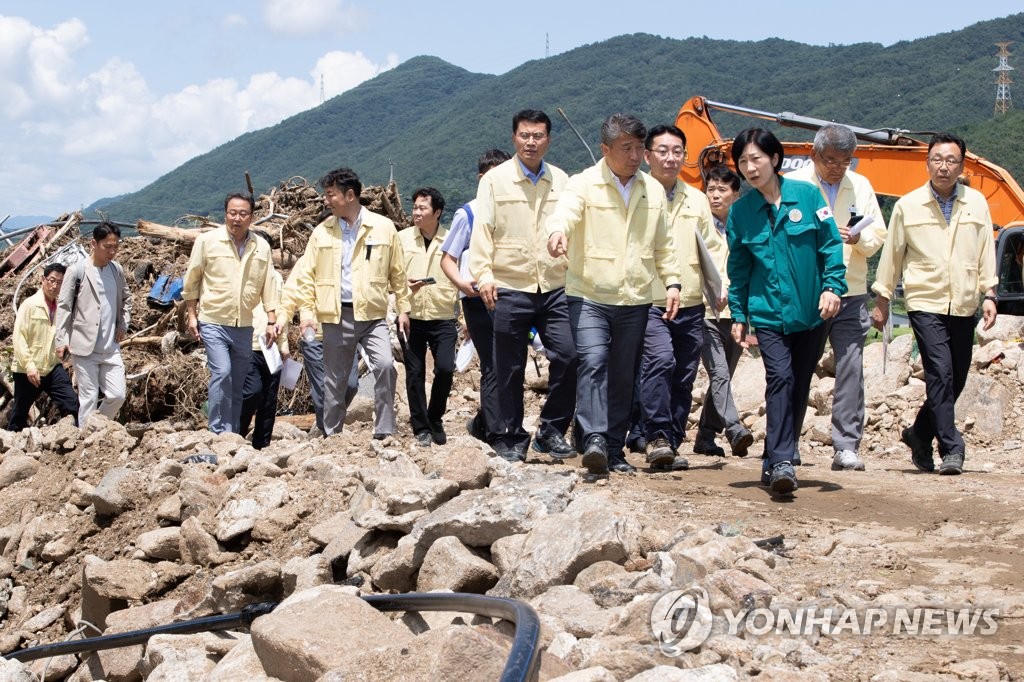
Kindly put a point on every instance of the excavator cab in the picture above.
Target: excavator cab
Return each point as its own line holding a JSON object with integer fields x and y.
{"x": 1009, "y": 260}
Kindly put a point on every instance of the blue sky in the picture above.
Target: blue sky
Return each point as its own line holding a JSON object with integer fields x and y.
{"x": 101, "y": 98}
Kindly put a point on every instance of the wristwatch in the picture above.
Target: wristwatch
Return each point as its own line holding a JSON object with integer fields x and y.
{"x": 830, "y": 290}
{"x": 991, "y": 298}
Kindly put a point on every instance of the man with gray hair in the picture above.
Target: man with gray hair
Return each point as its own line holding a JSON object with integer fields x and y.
{"x": 611, "y": 223}
{"x": 852, "y": 200}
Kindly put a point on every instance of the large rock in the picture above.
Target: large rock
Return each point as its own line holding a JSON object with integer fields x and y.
{"x": 124, "y": 664}
{"x": 318, "y": 630}
{"x": 987, "y": 401}
{"x": 244, "y": 507}
{"x": 448, "y": 565}
{"x": 248, "y": 585}
{"x": 569, "y": 609}
{"x": 181, "y": 657}
{"x": 466, "y": 464}
{"x": 119, "y": 490}
{"x": 458, "y": 652}
{"x": 559, "y": 546}
{"x": 748, "y": 385}
{"x": 199, "y": 547}
{"x": 718, "y": 672}
{"x": 16, "y": 466}
{"x": 1008, "y": 328}
{"x": 879, "y": 384}
{"x": 161, "y": 543}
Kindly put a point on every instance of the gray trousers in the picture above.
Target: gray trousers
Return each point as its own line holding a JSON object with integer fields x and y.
{"x": 847, "y": 332}
{"x": 340, "y": 341}
{"x": 719, "y": 355}
{"x": 313, "y": 363}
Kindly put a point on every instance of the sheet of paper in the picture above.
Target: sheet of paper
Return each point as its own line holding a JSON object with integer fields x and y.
{"x": 290, "y": 373}
{"x": 271, "y": 354}
{"x": 710, "y": 276}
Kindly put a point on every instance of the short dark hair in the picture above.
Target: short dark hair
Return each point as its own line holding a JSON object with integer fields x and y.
{"x": 764, "y": 140}
{"x": 531, "y": 116}
{"x": 722, "y": 173}
{"x": 344, "y": 179}
{"x": 491, "y": 158}
{"x": 244, "y": 197}
{"x": 54, "y": 267}
{"x": 617, "y": 125}
{"x": 946, "y": 138}
{"x": 104, "y": 230}
{"x": 659, "y": 130}
{"x": 436, "y": 200}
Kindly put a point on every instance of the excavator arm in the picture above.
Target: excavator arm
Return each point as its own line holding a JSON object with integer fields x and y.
{"x": 894, "y": 162}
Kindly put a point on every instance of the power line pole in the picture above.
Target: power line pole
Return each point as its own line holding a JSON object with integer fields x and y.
{"x": 322, "y": 97}
{"x": 1003, "y": 100}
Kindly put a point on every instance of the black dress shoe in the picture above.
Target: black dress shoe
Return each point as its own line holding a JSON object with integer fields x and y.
{"x": 595, "y": 455}
{"x": 475, "y": 426}
{"x": 509, "y": 454}
{"x": 637, "y": 445}
{"x": 552, "y": 443}
{"x": 423, "y": 439}
{"x": 438, "y": 435}
{"x": 617, "y": 462}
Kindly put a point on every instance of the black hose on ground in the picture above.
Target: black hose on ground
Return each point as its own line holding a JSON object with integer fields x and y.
{"x": 521, "y": 665}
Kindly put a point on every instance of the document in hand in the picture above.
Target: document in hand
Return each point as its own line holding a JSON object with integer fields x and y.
{"x": 272, "y": 355}
{"x": 709, "y": 275}
{"x": 860, "y": 225}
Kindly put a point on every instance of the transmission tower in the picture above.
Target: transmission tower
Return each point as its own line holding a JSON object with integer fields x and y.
{"x": 322, "y": 97}
{"x": 1003, "y": 100}
{"x": 547, "y": 46}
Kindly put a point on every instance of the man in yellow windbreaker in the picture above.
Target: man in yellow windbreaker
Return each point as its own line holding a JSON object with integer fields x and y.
{"x": 36, "y": 367}
{"x": 341, "y": 284}
{"x": 940, "y": 243}
{"x": 611, "y": 224}
{"x": 432, "y": 319}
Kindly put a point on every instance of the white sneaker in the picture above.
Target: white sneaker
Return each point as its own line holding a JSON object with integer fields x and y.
{"x": 847, "y": 460}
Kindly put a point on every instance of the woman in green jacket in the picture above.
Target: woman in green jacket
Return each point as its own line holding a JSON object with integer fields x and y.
{"x": 786, "y": 277}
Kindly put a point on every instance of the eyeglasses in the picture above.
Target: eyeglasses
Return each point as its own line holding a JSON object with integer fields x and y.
{"x": 663, "y": 152}
{"x": 53, "y": 281}
{"x": 835, "y": 163}
{"x": 239, "y": 214}
{"x": 948, "y": 161}
{"x": 536, "y": 137}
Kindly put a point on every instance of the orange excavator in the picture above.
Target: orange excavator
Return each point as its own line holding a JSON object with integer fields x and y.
{"x": 891, "y": 159}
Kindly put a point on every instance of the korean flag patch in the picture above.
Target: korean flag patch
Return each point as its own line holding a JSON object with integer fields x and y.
{"x": 824, "y": 213}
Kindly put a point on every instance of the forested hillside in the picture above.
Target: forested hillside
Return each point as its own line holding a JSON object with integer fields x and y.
{"x": 431, "y": 120}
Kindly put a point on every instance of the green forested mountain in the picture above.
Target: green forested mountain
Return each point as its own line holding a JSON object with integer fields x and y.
{"x": 431, "y": 120}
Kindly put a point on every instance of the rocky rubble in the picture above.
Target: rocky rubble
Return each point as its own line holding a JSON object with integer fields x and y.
{"x": 116, "y": 530}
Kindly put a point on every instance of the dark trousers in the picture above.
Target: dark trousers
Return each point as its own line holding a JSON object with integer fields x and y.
{"x": 515, "y": 313}
{"x": 668, "y": 368}
{"x": 480, "y": 324}
{"x": 259, "y": 399}
{"x": 56, "y": 384}
{"x": 789, "y": 362}
{"x": 609, "y": 339}
{"x": 440, "y": 336}
{"x": 946, "y": 342}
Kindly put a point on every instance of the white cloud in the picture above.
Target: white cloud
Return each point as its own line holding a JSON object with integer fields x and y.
{"x": 70, "y": 138}
{"x": 309, "y": 17}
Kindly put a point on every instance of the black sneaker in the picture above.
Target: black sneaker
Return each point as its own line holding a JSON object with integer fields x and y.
{"x": 703, "y": 446}
{"x": 920, "y": 452}
{"x": 741, "y": 443}
{"x": 595, "y": 455}
{"x": 952, "y": 464}
{"x": 660, "y": 452}
{"x": 782, "y": 480}
{"x": 617, "y": 462}
{"x": 509, "y": 454}
{"x": 423, "y": 439}
{"x": 554, "y": 444}
{"x": 678, "y": 464}
{"x": 437, "y": 434}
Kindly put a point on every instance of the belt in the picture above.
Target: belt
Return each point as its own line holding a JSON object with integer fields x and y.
{"x": 346, "y": 304}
